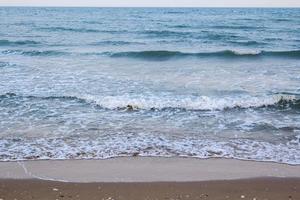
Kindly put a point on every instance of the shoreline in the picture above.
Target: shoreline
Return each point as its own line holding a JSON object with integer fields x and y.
{"x": 150, "y": 156}
{"x": 149, "y": 178}
{"x": 145, "y": 169}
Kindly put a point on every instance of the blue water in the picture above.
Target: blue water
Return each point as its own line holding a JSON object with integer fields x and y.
{"x": 105, "y": 82}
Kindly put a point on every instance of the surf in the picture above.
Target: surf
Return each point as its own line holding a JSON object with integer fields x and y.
{"x": 232, "y": 54}
{"x": 188, "y": 103}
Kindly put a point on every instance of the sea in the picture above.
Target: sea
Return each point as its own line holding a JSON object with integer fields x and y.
{"x": 97, "y": 83}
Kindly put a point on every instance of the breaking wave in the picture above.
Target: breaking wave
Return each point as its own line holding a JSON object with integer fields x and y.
{"x": 182, "y": 103}
{"x": 162, "y": 55}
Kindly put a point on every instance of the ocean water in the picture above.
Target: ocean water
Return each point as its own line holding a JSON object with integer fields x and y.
{"x": 95, "y": 83}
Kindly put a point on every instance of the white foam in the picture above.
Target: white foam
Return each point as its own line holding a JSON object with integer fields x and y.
{"x": 147, "y": 145}
{"x": 189, "y": 103}
{"x": 247, "y": 52}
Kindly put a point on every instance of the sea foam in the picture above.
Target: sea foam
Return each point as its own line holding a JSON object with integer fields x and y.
{"x": 176, "y": 102}
{"x": 145, "y": 145}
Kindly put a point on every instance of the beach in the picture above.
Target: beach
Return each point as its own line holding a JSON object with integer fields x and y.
{"x": 149, "y": 178}
{"x": 273, "y": 189}
{"x": 97, "y": 83}
{"x": 149, "y": 103}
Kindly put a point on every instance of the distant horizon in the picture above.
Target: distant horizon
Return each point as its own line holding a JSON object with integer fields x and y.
{"x": 154, "y": 4}
{"x": 62, "y": 6}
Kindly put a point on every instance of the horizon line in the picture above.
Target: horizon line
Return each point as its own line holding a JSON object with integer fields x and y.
{"x": 65, "y": 6}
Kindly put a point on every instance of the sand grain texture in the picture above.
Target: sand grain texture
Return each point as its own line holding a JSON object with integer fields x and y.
{"x": 253, "y": 189}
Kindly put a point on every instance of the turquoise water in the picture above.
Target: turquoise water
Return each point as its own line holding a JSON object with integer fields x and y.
{"x": 105, "y": 82}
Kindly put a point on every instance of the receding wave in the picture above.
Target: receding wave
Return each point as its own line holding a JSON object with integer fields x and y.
{"x": 17, "y": 43}
{"x": 59, "y": 29}
{"x": 165, "y": 55}
{"x": 75, "y": 147}
{"x": 35, "y": 53}
{"x": 278, "y": 101}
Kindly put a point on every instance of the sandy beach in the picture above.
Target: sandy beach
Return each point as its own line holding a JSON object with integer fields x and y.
{"x": 149, "y": 100}
{"x": 259, "y": 189}
{"x": 149, "y": 178}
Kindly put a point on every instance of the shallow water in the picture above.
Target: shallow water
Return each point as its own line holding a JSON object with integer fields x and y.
{"x": 104, "y": 82}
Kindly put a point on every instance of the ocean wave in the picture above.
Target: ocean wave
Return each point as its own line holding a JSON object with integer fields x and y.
{"x": 213, "y": 36}
{"x": 35, "y": 52}
{"x": 180, "y": 26}
{"x": 165, "y": 55}
{"x": 200, "y": 103}
{"x": 282, "y": 20}
{"x": 193, "y": 103}
{"x": 238, "y": 27}
{"x": 174, "y": 12}
{"x": 60, "y": 29}
{"x": 17, "y": 43}
{"x": 93, "y": 22}
{"x": 6, "y": 64}
{"x": 114, "y": 43}
{"x": 166, "y": 33}
{"x": 247, "y": 43}
{"x": 161, "y": 55}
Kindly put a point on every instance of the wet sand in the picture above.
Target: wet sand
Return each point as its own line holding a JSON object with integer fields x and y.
{"x": 138, "y": 178}
{"x": 145, "y": 169}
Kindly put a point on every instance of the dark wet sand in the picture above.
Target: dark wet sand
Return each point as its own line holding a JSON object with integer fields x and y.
{"x": 253, "y": 189}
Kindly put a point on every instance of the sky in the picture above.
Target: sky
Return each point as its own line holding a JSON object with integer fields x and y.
{"x": 154, "y": 3}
